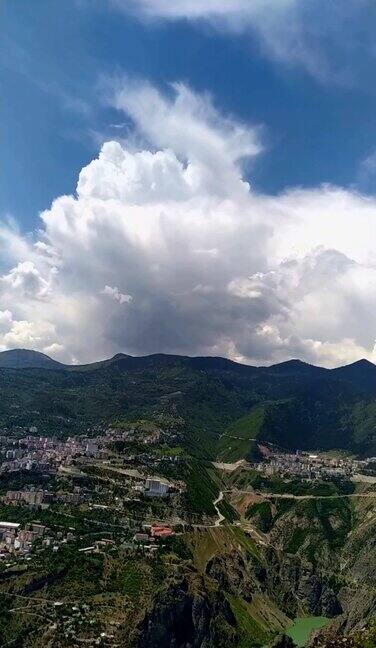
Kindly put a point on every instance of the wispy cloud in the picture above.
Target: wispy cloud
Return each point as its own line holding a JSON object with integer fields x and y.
{"x": 322, "y": 37}
{"x": 16, "y": 58}
{"x": 366, "y": 179}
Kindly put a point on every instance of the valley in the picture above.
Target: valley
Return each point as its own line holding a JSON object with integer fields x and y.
{"x": 161, "y": 501}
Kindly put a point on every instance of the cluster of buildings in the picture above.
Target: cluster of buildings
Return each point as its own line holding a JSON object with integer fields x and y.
{"x": 150, "y": 460}
{"x": 15, "y": 540}
{"x": 149, "y": 437}
{"x": 41, "y": 498}
{"x": 308, "y": 465}
{"x": 145, "y": 432}
{"x": 23, "y": 449}
{"x": 110, "y": 484}
{"x": 149, "y": 534}
{"x": 18, "y": 541}
{"x": 43, "y": 454}
{"x": 32, "y": 497}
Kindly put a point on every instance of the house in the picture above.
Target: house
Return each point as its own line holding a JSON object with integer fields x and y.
{"x": 141, "y": 537}
{"x": 161, "y": 531}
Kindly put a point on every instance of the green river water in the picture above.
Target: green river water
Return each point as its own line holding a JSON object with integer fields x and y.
{"x": 302, "y": 627}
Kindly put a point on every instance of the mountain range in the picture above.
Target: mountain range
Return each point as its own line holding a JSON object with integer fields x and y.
{"x": 362, "y": 371}
{"x": 292, "y": 404}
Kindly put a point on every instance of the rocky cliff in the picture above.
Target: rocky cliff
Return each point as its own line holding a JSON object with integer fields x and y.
{"x": 188, "y": 614}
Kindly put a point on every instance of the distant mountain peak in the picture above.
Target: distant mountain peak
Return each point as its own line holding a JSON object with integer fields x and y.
{"x": 363, "y": 362}
{"x": 296, "y": 366}
{"x": 27, "y": 358}
{"x": 363, "y": 372}
{"x": 294, "y": 362}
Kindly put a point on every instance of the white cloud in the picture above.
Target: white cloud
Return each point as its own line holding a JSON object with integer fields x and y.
{"x": 32, "y": 335}
{"x": 115, "y": 293}
{"x": 56, "y": 350}
{"x": 6, "y": 319}
{"x": 208, "y": 146}
{"x": 27, "y": 280}
{"x": 193, "y": 9}
{"x": 209, "y": 266}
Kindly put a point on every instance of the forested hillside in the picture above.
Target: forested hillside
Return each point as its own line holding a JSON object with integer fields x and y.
{"x": 302, "y": 406}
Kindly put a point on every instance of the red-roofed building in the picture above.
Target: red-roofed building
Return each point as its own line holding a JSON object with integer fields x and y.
{"x": 161, "y": 531}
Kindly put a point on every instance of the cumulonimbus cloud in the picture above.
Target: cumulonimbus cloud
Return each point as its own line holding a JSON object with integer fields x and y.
{"x": 168, "y": 249}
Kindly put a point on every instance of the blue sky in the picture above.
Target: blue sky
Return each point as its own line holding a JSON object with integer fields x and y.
{"x": 194, "y": 177}
{"x": 54, "y": 55}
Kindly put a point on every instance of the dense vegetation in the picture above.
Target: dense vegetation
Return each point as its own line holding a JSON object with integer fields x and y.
{"x": 293, "y": 405}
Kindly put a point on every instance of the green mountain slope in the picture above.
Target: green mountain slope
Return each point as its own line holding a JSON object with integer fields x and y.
{"x": 240, "y": 438}
{"x": 293, "y": 405}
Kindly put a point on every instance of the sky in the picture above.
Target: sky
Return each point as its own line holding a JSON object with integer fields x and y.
{"x": 192, "y": 177}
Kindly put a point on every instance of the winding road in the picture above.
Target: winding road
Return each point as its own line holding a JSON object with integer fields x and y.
{"x": 215, "y": 504}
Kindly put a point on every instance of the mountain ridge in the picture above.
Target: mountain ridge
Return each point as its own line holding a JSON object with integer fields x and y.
{"x": 304, "y": 407}
{"x": 20, "y": 358}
